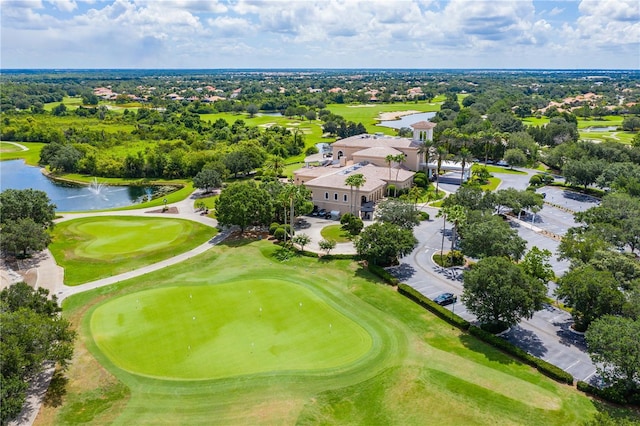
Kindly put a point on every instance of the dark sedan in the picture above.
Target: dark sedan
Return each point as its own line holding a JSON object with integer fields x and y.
{"x": 445, "y": 299}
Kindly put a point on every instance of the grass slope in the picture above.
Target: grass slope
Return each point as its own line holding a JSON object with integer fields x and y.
{"x": 97, "y": 247}
{"x": 31, "y": 156}
{"x": 418, "y": 370}
{"x": 227, "y": 330}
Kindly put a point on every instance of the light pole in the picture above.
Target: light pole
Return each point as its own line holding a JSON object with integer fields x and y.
{"x": 453, "y": 310}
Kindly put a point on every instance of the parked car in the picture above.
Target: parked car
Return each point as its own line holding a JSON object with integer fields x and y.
{"x": 322, "y": 213}
{"x": 445, "y": 299}
{"x": 502, "y": 163}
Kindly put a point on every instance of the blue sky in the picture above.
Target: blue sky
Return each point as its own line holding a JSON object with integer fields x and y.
{"x": 320, "y": 34}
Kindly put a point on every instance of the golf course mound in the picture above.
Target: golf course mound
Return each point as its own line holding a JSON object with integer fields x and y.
{"x": 217, "y": 331}
{"x": 107, "y": 238}
{"x": 96, "y": 247}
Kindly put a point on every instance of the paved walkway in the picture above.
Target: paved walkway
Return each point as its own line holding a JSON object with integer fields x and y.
{"x": 546, "y": 335}
{"x": 51, "y": 276}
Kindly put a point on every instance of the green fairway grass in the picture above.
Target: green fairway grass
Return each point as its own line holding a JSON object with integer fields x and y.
{"x": 392, "y": 364}
{"x": 245, "y": 327}
{"x": 31, "y": 156}
{"x": 7, "y": 147}
{"x": 97, "y": 247}
{"x": 368, "y": 114}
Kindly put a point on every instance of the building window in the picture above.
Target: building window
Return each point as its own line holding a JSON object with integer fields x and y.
{"x": 326, "y": 195}
{"x": 335, "y": 196}
{"x": 344, "y": 198}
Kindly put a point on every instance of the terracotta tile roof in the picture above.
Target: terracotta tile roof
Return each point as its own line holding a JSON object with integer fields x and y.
{"x": 369, "y": 141}
{"x": 375, "y": 177}
{"x": 423, "y": 125}
{"x": 377, "y": 152}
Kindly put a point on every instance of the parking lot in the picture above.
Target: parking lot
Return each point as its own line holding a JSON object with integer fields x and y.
{"x": 546, "y": 335}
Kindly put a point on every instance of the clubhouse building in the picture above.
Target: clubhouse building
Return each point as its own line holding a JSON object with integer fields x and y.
{"x": 325, "y": 174}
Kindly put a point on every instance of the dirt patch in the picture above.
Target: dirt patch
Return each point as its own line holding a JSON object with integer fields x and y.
{"x": 248, "y": 235}
{"x": 395, "y": 115}
{"x": 168, "y": 210}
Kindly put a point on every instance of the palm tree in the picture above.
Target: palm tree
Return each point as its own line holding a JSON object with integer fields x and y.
{"x": 490, "y": 139}
{"x": 356, "y": 180}
{"x": 440, "y": 155}
{"x": 275, "y": 163}
{"x": 414, "y": 194}
{"x": 457, "y": 215}
{"x": 463, "y": 157}
{"x": 424, "y": 149}
{"x": 442, "y": 213}
{"x": 398, "y": 159}
{"x": 389, "y": 159}
{"x": 451, "y": 137}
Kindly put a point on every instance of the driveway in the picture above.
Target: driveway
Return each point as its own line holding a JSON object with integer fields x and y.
{"x": 547, "y": 334}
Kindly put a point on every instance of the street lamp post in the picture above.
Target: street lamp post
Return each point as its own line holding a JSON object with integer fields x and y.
{"x": 453, "y": 310}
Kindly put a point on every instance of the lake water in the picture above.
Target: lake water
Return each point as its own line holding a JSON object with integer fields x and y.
{"x": 601, "y": 129}
{"x": 15, "y": 174}
{"x": 407, "y": 120}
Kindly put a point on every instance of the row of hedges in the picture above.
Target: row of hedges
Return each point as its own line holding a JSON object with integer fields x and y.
{"x": 339, "y": 257}
{"x": 544, "y": 367}
{"x": 382, "y": 273}
{"x": 326, "y": 256}
{"x": 612, "y": 394}
{"x": 541, "y": 365}
{"x": 432, "y": 306}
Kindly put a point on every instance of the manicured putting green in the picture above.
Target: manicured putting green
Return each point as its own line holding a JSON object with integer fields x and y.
{"x": 91, "y": 248}
{"x": 121, "y": 237}
{"x": 225, "y": 330}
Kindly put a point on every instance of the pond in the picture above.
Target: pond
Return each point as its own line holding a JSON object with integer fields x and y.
{"x": 601, "y": 129}
{"x": 15, "y": 174}
{"x": 407, "y": 120}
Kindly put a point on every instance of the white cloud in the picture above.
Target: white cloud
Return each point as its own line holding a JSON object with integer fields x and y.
{"x": 64, "y": 5}
{"x": 617, "y": 10}
{"x": 609, "y": 22}
{"x": 555, "y": 11}
{"x": 321, "y": 33}
{"x": 225, "y": 26}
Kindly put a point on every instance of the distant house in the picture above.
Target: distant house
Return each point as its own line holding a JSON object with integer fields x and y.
{"x": 365, "y": 154}
{"x": 213, "y": 98}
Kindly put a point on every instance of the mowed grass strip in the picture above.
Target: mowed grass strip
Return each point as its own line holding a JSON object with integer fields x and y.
{"x": 96, "y": 247}
{"x": 418, "y": 371}
{"x": 31, "y": 156}
{"x": 240, "y": 328}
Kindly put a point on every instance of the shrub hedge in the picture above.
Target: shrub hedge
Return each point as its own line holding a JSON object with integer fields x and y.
{"x": 423, "y": 215}
{"x": 308, "y": 254}
{"x": 543, "y": 366}
{"x": 432, "y": 306}
{"x": 382, "y": 273}
{"x": 612, "y": 394}
{"x": 340, "y": 256}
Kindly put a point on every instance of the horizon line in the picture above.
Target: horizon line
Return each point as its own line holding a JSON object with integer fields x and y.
{"x": 317, "y": 69}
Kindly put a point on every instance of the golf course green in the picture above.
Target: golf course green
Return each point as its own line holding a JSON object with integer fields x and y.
{"x": 188, "y": 344}
{"x": 209, "y": 332}
{"x": 96, "y": 247}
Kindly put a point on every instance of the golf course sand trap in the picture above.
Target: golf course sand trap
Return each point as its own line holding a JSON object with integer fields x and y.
{"x": 225, "y": 330}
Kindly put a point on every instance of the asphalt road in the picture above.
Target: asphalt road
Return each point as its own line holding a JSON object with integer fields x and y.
{"x": 547, "y": 334}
